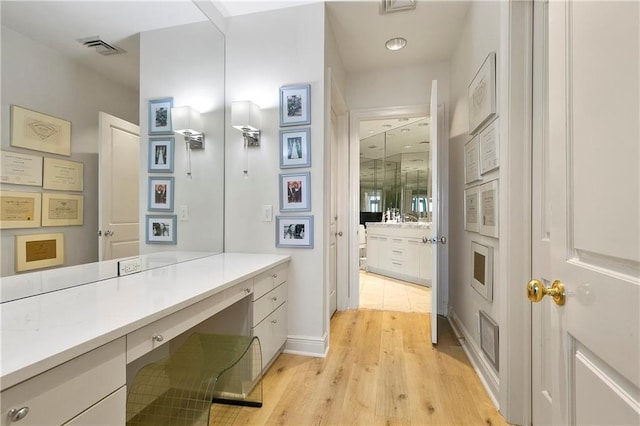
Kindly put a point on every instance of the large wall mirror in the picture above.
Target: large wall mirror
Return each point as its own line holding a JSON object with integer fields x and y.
{"x": 395, "y": 172}
{"x": 75, "y": 60}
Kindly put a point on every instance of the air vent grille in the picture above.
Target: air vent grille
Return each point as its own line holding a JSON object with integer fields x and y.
{"x": 388, "y": 6}
{"x": 101, "y": 46}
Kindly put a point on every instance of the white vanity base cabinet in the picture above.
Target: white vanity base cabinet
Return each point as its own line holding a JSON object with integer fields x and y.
{"x": 107, "y": 412}
{"x": 398, "y": 251}
{"x": 270, "y": 312}
{"x": 62, "y": 393}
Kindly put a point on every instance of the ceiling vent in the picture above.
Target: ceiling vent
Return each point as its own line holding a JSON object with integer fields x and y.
{"x": 102, "y": 47}
{"x": 388, "y": 6}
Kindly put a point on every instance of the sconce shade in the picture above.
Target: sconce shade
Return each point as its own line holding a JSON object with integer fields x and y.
{"x": 186, "y": 120}
{"x": 245, "y": 116}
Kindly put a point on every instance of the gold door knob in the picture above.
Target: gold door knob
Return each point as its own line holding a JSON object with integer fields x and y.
{"x": 536, "y": 291}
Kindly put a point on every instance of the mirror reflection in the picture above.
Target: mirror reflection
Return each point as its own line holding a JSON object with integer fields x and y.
{"x": 88, "y": 62}
{"x": 395, "y": 175}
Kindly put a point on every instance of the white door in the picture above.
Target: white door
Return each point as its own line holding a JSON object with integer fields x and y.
{"x": 594, "y": 158}
{"x": 436, "y": 210}
{"x": 119, "y": 144}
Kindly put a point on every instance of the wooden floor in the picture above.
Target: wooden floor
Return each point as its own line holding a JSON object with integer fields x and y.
{"x": 381, "y": 370}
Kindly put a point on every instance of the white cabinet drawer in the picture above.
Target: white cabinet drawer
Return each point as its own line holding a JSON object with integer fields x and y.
{"x": 267, "y": 281}
{"x": 268, "y": 303}
{"x": 59, "y": 394}
{"x": 108, "y": 412}
{"x": 149, "y": 337}
{"x": 272, "y": 332}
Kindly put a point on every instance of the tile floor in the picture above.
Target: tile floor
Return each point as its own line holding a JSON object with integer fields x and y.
{"x": 388, "y": 294}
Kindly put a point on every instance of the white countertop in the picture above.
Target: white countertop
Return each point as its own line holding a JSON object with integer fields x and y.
{"x": 406, "y": 225}
{"x": 40, "y": 332}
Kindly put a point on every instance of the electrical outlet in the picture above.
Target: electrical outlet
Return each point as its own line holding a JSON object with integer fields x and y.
{"x": 129, "y": 266}
{"x": 266, "y": 213}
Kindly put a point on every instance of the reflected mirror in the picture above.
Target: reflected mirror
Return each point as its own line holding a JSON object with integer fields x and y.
{"x": 395, "y": 171}
{"x": 74, "y": 60}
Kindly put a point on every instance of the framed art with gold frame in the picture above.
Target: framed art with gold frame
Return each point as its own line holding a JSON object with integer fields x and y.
{"x": 37, "y": 251}
{"x": 20, "y": 209}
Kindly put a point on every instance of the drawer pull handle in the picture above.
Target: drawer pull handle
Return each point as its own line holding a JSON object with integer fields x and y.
{"x": 247, "y": 290}
{"x": 275, "y": 298}
{"x": 274, "y": 321}
{"x": 158, "y": 337}
{"x": 17, "y": 414}
{"x": 275, "y": 276}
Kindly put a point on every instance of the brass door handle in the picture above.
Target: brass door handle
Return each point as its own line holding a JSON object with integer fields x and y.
{"x": 536, "y": 291}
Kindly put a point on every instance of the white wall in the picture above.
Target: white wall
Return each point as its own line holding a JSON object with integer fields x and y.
{"x": 480, "y": 35}
{"x": 264, "y": 52}
{"x": 37, "y": 77}
{"x": 402, "y": 86}
{"x": 187, "y": 63}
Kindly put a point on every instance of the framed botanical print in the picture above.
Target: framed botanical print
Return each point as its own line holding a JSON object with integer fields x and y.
{"x": 295, "y": 105}
{"x": 295, "y": 148}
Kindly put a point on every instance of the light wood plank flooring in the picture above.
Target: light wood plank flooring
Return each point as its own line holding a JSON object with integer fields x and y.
{"x": 381, "y": 370}
{"x": 389, "y": 294}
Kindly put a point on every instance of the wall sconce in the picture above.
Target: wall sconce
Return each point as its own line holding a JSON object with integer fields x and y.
{"x": 245, "y": 116}
{"x": 186, "y": 121}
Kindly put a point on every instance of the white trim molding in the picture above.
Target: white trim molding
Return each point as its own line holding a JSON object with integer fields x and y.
{"x": 308, "y": 345}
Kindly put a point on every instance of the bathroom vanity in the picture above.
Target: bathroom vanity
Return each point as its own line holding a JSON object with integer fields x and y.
{"x": 66, "y": 353}
{"x": 398, "y": 250}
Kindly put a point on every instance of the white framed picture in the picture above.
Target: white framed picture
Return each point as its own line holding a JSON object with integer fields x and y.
{"x": 60, "y": 209}
{"x": 471, "y": 209}
{"x": 20, "y": 209}
{"x": 472, "y": 161}
{"x": 160, "y": 116}
{"x": 161, "y": 154}
{"x": 482, "y": 269}
{"x": 295, "y": 148}
{"x": 482, "y": 95}
{"x": 161, "y": 229}
{"x": 488, "y": 197}
{"x": 295, "y": 105}
{"x": 161, "y": 194}
{"x": 37, "y": 251}
{"x": 295, "y": 192}
{"x": 294, "y": 231}
{"x": 489, "y": 148}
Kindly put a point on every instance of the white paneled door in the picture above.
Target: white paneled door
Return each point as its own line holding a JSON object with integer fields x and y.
{"x": 593, "y": 356}
{"x": 119, "y": 164}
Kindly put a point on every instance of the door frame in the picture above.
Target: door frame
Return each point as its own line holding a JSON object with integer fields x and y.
{"x": 515, "y": 97}
{"x": 351, "y": 291}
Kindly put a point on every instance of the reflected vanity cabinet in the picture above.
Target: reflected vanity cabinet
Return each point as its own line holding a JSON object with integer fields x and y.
{"x": 398, "y": 251}
{"x": 270, "y": 312}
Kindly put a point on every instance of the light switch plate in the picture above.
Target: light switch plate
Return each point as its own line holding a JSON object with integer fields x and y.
{"x": 184, "y": 213}
{"x": 266, "y": 213}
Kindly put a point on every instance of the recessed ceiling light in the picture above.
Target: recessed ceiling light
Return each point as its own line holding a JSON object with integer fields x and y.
{"x": 407, "y": 146}
{"x": 396, "y": 43}
{"x": 371, "y": 132}
{"x": 405, "y": 130}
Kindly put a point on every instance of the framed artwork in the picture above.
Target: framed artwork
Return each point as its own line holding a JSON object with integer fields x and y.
{"x": 489, "y": 148}
{"x": 294, "y": 231}
{"x": 62, "y": 209}
{"x": 488, "y": 197}
{"x": 472, "y": 161}
{"x": 482, "y": 269}
{"x": 37, "y": 251}
{"x": 471, "y": 209}
{"x": 21, "y": 169}
{"x": 490, "y": 339}
{"x": 295, "y": 105}
{"x": 63, "y": 175}
{"x": 161, "y": 154}
{"x": 295, "y": 148}
{"x": 161, "y": 194}
{"x": 20, "y": 209}
{"x": 482, "y": 94}
{"x": 295, "y": 192}
{"x": 160, "y": 116}
{"x": 40, "y": 132}
{"x": 161, "y": 229}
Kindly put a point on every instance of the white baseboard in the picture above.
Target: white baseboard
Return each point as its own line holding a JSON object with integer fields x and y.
{"x": 308, "y": 345}
{"x": 478, "y": 360}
